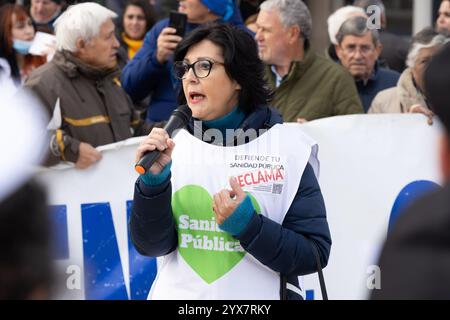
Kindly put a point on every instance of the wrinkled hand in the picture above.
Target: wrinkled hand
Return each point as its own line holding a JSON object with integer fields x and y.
{"x": 417, "y": 108}
{"x": 226, "y": 201}
{"x": 158, "y": 139}
{"x": 87, "y": 156}
{"x": 166, "y": 44}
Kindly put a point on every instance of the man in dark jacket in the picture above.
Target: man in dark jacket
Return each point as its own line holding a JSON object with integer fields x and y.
{"x": 415, "y": 261}
{"x": 80, "y": 88}
{"x": 150, "y": 71}
{"x": 358, "y": 50}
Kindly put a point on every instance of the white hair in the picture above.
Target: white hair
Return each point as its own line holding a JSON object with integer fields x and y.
{"x": 292, "y": 12}
{"x": 337, "y": 19}
{"x": 81, "y": 21}
{"x": 437, "y": 40}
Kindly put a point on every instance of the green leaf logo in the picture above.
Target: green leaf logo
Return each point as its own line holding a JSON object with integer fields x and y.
{"x": 209, "y": 251}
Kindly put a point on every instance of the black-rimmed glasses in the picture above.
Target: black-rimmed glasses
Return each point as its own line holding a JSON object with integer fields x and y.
{"x": 202, "y": 68}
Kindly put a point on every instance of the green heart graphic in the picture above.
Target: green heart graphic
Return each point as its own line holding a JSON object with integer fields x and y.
{"x": 209, "y": 251}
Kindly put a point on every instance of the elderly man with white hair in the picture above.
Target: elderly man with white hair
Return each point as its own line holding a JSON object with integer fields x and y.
{"x": 408, "y": 95}
{"x": 80, "y": 87}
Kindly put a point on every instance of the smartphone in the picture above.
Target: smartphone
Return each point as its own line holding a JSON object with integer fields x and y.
{"x": 178, "y": 20}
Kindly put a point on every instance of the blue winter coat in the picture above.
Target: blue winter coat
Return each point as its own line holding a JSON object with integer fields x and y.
{"x": 283, "y": 248}
{"x": 144, "y": 75}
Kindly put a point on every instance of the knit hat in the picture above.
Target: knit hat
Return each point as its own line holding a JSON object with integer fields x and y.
{"x": 223, "y": 8}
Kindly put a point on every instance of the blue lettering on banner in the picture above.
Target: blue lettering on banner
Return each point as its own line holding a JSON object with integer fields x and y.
{"x": 60, "y": 240}
{"x": 103, "y": 275}
{"x": 103, "y": 272}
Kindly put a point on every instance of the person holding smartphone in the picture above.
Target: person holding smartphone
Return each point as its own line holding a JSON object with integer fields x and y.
{"x": 150, "y": 70}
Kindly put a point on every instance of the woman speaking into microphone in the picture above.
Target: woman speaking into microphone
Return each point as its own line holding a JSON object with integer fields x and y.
{"x": 232, "y": 203}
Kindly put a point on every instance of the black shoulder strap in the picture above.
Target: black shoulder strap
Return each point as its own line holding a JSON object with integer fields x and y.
{"x": 323, "y": 288}
{"x": 283, "y": 287}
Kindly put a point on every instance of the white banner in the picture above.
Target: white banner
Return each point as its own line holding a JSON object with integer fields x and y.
{"x": 366, "y": 160}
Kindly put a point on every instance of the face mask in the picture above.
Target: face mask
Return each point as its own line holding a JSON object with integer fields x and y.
{"x": 21, "y": 46}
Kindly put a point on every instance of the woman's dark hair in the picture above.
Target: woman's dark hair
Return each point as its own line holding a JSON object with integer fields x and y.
{"x": 149, "y": 13}
{"x": 6, "y": 41}
{"x": 241, "y": 60}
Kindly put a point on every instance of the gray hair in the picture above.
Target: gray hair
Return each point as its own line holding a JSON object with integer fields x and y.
{"x": 292, "y": 12}
{"x": 81, "y": 21}
{"x": 357, "y": 26}
{"x": 427, "y": 38}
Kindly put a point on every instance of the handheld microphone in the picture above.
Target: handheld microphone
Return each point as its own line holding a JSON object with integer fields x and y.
{"x": 178, "y": 120}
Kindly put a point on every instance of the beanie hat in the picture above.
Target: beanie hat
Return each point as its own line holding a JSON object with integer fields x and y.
{"x": 223, "y": 8}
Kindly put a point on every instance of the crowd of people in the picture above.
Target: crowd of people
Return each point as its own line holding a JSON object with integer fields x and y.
{"x": 129, "y": 50}
{"x": 118, "y": 69}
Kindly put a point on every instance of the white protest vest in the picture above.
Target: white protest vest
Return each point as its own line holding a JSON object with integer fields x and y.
{"x": 209, "y": 263}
